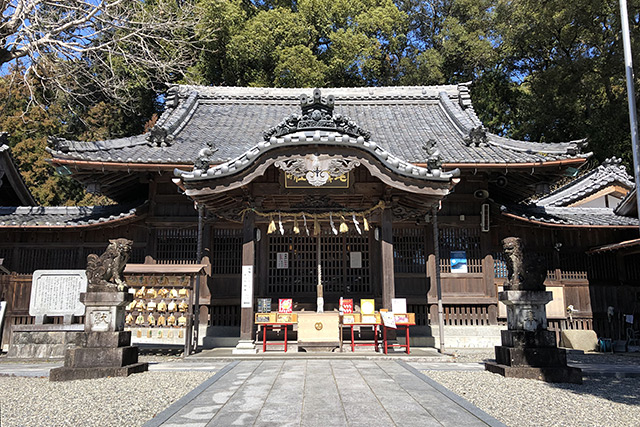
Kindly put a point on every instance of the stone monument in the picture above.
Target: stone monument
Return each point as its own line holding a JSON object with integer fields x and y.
{"x": 528, "y": 348}
{"x": 53, "y": 293}
{"x": 106, "y": 349}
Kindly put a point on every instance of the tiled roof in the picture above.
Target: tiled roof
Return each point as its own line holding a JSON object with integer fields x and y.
{"x": 401, "y": 120}
{"x": 615, "y": 246}
{"x": 629, "y": 204}
{"x": 66, "y": 216}
{"x": 317, "y": 138}
{"x": 608, "y": 173}
{"x": 569, "y": 216}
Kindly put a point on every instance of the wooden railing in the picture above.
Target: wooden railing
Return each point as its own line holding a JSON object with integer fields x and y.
{"x": 466, "y": 315}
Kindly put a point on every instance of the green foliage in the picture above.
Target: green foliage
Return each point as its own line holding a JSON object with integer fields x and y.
{"x": 29, "y": 125}
{"x": 542, "y": 70}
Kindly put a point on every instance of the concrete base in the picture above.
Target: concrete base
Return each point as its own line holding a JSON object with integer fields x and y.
{"x": 318, "y": 346}
{"x": 245, "y": 347}
{"x": 533, "y": 355}
{"x": 580, "y": 340}
{"x": 551, "y": 374}
{"x": 44, "y": 341}
{"x": 466, "y": 336}
{"x": 106, "y": 349}
{"x": 68, "y": 374}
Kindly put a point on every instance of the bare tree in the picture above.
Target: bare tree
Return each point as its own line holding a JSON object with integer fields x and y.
{"x": 106, "y": 47}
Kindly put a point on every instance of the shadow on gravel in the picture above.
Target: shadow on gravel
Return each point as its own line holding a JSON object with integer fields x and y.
{"x": 619, "y": 390}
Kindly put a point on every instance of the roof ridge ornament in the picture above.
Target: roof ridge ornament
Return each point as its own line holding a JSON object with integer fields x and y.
{"x": 476, "y": 136}
{"x": 317, "y": 113}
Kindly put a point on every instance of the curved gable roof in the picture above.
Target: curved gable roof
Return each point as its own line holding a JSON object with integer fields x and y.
{"x": 232, "y": 120}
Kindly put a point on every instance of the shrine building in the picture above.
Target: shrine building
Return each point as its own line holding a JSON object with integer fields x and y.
{"x": 374, "y": 193}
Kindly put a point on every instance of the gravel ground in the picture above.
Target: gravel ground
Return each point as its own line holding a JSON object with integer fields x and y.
{"x": 38, "y": 402}
{"x": 484, "y": 355}
{"x": 599, "y": 401}
{"x": 517, "y": 402}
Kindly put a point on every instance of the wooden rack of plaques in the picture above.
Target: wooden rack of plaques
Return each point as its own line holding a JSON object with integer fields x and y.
{"x": 163, "y": 311}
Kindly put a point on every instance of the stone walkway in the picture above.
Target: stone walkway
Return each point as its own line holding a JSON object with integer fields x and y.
{"x": 321, "y": 393}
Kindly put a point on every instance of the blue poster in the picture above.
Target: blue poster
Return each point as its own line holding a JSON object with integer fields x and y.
{"x": 458, "y": 261}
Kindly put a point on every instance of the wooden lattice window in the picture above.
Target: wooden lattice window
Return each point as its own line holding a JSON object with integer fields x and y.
{"x": 226, "y": 251}
{"x": 632, "y": 264}
{"x": 176, "y": 245}
{"x": 297, "y": 274}
{"x": 31, "y": 259}
{"x": 499, "y": 265}
{"x": 409, "y": 251}
{"x": 300, "y": 276}
{"x": 460, "y": 239}
{"x": 573, "y": 266}
{"x": 224, "y": 315}
{"x": 603, "y": 266}
{"x": 357, "y": 280}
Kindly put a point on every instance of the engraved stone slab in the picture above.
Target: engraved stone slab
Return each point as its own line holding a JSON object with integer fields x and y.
{"x": 57, "y": 293}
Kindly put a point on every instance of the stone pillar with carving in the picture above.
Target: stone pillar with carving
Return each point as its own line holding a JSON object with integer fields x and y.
{"x": 106, "y": 349}
{"x": 528, "y": 348}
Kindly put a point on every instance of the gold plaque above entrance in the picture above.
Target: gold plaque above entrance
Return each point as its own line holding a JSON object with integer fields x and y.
{"x": 291, "y": 181}
{"x": 317, "y": 171}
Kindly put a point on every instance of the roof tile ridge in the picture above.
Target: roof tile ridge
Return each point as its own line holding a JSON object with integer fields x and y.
{"x": 464, "y": 124}
{"x": 352, "y": 92}
{"x": 571, "y": 148}
{"x": 169, "y": 125}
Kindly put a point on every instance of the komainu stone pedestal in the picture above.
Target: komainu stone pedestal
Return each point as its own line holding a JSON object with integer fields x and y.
{"x": 528, "y": 349}
{"x": 106, "y": 351}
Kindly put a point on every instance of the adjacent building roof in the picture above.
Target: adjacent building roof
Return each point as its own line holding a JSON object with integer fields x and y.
{"x": 629, "y": 205}
{"x": 569, "y": 216}
{"x": 610, "y": 172}
{"x": 627, "y": 244}
{"x": 405, "y": 121}
{"x": 13, "y": 190}
{"x": 66, "y": 216}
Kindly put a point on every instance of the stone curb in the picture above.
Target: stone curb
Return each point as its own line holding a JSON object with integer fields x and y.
{"x": 163, "y": 416}
{"x": 465, "y": 404}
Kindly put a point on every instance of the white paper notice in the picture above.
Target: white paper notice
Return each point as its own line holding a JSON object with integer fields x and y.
{"x": 282, "y": 260}
{"x": 355, "y": 259}
{"x": 247, "y": 286}
{"x": 399, "y": 305}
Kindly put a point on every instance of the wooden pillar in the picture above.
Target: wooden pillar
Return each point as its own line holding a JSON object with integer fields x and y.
{"x": 386, "y": 250}
{"x": 248, "y": 256}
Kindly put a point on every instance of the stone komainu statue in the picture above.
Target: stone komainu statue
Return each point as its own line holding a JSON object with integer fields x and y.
{"x": 526, "y": 272}
{"x": 104, "y": 272}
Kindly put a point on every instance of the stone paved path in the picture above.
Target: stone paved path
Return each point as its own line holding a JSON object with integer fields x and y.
{"x": 321, "y": 393}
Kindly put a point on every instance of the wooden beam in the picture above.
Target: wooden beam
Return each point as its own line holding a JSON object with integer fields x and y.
{"x": 386, "y": 241}
{"x": 248, "y": 255}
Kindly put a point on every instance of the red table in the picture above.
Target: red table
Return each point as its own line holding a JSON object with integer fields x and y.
{"x": 398, "y": 326}
{"x": 353, "y": 342}
{"x": 265, "y": 328}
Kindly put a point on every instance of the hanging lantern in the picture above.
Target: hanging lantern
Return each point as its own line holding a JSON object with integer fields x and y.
{"x": 272, "y": 226}
{"x": 316, "y": 226}
{"x": 343, "y": 226}
{"x": 366, "y": 223}
{"x": 296, "y": 229}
